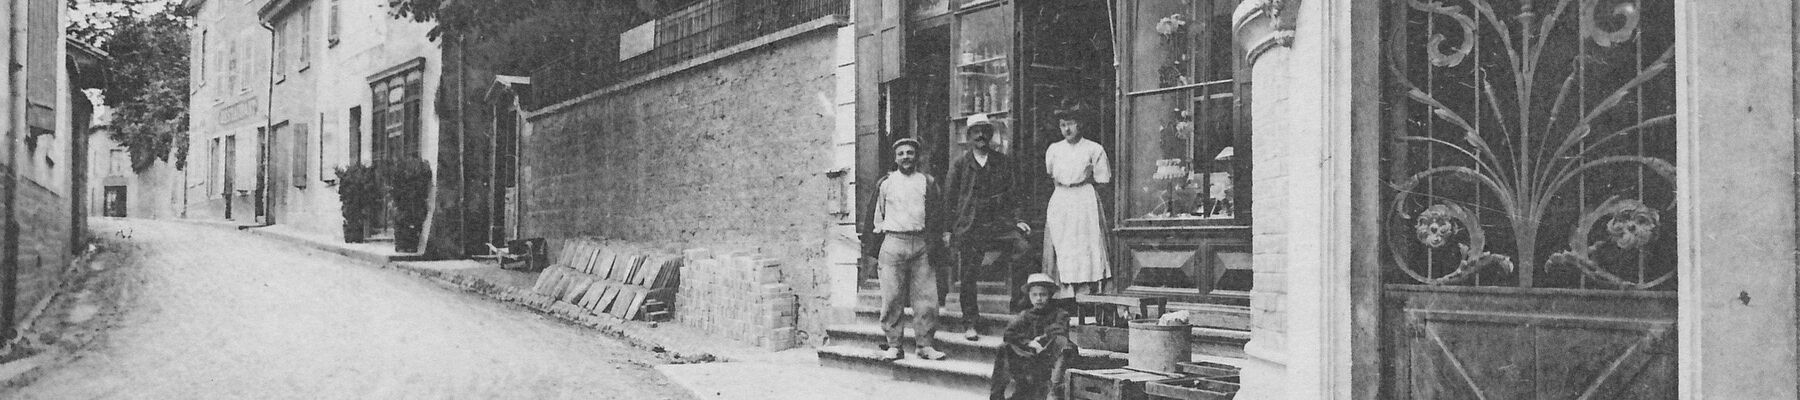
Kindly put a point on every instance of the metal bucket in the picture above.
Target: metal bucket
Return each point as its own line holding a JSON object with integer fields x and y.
{"x": 1158, "y": 347}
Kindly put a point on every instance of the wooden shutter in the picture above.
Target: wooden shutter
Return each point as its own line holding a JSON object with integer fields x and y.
{"x": 43, "y": 37}
{"x": 875, "y": 39}
{"x": 300, "y": 166}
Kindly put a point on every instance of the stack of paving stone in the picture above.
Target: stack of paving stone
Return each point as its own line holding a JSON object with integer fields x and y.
{"x": 596, "y": 278}
{"x": 739, "y": 295}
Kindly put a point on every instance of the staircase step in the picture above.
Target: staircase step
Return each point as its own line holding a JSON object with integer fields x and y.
{"x": 959, "y": 371}
{"x": 1206, "y": 341}
{"x": 949, "y": 319}
{"x": 987, "y": 303}
{"x": 869, "y": 336}
{"x": 968, "y": 375}
{"x": 983, "y": 287}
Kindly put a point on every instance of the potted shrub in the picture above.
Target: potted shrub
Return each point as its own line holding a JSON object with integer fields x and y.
{"x": 409, "y": 182}
{"x": 359, "y": 194}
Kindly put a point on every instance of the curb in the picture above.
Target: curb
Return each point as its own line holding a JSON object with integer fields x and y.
{"x": 569, "y": 313}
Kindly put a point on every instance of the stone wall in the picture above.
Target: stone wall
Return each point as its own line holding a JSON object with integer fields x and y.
{"x": 730, "y": 155}
{"x": 44, "y": 247}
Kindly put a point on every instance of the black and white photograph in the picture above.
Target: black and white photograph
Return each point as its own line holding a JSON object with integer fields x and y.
{"x": 900, "y": 199}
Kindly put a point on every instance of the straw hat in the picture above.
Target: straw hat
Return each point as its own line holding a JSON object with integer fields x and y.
{"x": 1039, "y": 279}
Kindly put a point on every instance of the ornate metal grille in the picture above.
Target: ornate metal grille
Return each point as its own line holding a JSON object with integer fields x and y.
{"x": 1529, "y": 143}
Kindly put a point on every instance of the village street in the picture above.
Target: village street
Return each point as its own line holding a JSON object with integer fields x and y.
{"x": 209, "y": 313}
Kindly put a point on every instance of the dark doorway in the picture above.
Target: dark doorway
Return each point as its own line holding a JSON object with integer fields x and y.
{"x": 113, "y": 202}
{"x": 503, "y": 204}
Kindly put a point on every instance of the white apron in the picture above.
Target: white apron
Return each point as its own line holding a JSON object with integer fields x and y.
{"x": 1074, "y": 239}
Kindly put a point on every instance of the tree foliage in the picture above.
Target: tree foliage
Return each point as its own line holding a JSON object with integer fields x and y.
{"x": 147, "y": 78}
{"x": 515, "y": 36}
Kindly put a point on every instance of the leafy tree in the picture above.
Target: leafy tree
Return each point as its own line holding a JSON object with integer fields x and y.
{"x": 147, "y": 78}
{"x": 515, "y": 36}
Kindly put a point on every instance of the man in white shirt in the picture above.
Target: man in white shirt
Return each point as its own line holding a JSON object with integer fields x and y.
{"x": 903, "y": 215}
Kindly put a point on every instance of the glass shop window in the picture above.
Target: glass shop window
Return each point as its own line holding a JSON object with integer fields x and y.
{"x": 1184, "y": 141}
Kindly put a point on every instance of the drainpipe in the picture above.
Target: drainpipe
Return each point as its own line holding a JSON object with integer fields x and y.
{"x": 462, "y": 167}
{"x": 15, "y": 124}
{"x": 263, "y": 170}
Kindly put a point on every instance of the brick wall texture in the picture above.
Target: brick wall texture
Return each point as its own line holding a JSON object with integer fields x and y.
{"x": 740, "y": 296}
{"x": 730, "y": 156}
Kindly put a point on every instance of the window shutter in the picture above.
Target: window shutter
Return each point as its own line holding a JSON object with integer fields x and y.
{"x": 305, "y": 57}
{"x": 300, "y": 148}
{"x": 40, "y": 63}
{"x": 333, "y": 25}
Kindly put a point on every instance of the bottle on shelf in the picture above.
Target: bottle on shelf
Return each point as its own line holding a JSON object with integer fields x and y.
{"x": 1005, "y": 100}
{"x": 993, "y": 95}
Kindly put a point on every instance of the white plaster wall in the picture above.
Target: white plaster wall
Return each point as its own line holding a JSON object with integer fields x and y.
{"x": 1735, "y": 178}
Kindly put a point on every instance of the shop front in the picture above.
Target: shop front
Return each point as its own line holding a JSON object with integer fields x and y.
{"x": 1168, "y": 94}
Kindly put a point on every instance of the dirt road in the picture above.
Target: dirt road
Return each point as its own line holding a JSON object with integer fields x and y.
{"x": 209, "y": 313}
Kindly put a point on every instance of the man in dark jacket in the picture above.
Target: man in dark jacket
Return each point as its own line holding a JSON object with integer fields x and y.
{"x": 985, "y": 217}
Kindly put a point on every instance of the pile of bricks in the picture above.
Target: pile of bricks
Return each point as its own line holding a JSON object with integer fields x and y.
{"x": 738, "y": 295}
{"x": 591, "y": 277}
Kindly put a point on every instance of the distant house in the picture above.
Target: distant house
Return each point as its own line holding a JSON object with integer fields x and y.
{"x": 288, "y": 91}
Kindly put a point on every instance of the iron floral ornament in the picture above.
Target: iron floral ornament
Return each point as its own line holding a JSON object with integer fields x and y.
{"x": 1630, "y": 225}
{"x": 1521, "y": 133}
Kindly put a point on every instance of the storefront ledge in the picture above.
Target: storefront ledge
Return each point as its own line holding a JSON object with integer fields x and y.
{"x": 830, "y": 21}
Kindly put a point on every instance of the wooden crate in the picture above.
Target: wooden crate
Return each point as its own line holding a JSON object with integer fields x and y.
{"x": 1193, "y": 388}
{"x": 1207, "y": 369}
{"x": 1112, "y": 384}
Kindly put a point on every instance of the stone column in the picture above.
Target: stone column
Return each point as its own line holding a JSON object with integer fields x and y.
{"x": 1264, "y": 35}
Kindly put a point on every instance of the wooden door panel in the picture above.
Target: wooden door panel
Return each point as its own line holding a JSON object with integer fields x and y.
{"x": 1532, "y": 345}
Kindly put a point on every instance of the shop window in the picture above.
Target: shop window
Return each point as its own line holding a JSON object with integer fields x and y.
{"x": 396, "y": 107}
{"x": 1182, "y": 132}
{"x": 1184, "y": 149}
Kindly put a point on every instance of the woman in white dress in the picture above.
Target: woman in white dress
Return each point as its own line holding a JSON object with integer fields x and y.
{"x": 1074, "y": 237}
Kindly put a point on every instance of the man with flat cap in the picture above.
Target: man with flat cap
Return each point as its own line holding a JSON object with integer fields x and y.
{"x": 905, "y": 216}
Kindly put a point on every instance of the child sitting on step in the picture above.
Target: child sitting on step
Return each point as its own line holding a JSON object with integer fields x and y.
{"x": 1036, "y": 348}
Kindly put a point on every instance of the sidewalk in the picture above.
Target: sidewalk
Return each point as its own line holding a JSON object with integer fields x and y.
{"x": 707, "y": 366}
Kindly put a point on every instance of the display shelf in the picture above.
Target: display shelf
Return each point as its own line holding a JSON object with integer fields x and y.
{"x": 983, "y": 61}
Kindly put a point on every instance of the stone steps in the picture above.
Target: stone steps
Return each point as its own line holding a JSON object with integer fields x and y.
{"x": 856, "y": 346}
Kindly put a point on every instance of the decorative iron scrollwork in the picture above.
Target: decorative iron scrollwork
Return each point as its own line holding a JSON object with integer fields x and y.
{"x": 1437, "y": 226}
{"x": 1531, "y": 134}
{"x": 1435, "y": 47}
{"x": 1630, "y": 224}
{"x": 1590, "y": 27}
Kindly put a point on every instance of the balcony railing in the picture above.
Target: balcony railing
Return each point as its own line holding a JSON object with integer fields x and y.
{"x": 682, "y": 35}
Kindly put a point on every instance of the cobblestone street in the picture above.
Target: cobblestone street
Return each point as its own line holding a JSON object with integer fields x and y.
{"x": 209, "y": 313}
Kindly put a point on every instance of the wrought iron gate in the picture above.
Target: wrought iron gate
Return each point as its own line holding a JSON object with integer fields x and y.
{"x": 1528, "y": 172}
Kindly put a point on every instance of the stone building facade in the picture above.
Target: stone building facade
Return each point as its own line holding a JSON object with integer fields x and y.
{"x": 47, "y": 132}
{"x": 338, "y": 69}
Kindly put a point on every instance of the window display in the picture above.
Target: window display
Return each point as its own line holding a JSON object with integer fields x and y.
{"x": 983, "y": 83}
{"x": 1181, "y": 131}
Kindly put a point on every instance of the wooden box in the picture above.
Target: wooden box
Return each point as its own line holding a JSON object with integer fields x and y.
{"x": 1207, "y": 369}
{"x": 1101, "y": 337}
{"x": 1194, "y": 388}
{"x": 1112, "y": 384}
